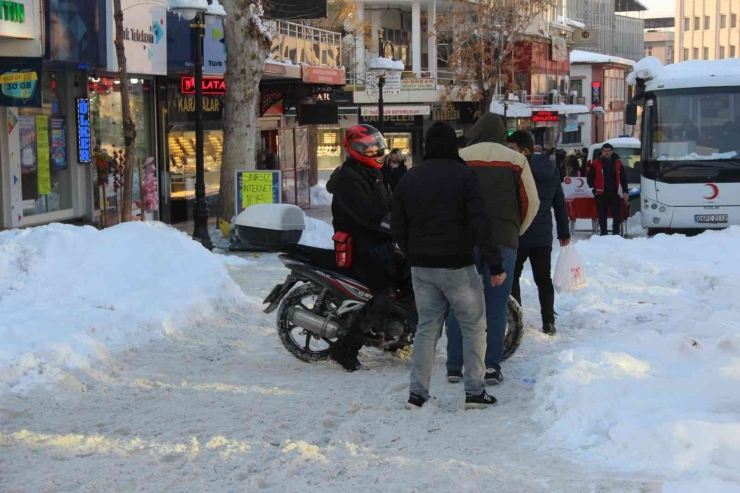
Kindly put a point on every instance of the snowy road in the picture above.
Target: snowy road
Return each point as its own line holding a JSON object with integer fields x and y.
{"x": 222, "y": 407}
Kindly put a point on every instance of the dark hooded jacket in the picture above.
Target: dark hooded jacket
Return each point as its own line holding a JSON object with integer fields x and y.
{"x": 505, "y": 179}
{"x": 550, "y": 193}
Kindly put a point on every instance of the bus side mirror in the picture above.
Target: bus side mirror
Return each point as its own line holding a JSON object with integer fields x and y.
{"x": 631, "y": 116}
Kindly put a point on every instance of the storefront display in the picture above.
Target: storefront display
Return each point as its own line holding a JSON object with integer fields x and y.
{"x": 329, "y": 150}
{"x": 402, "y": 132}
{"x": 106, "y": 130}
{"x": 45, "y": 183}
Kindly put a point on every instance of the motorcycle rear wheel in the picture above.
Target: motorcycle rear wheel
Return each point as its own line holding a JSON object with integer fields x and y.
{"x": 299, "y": 342}
{"x": 514, "y": 329}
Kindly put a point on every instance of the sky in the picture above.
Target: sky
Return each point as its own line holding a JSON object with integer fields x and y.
{"x": 659, "y": 8}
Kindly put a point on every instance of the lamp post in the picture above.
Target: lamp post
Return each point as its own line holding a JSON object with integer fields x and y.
{"x": 383, "y": 67}
{"x": 199, "y": 13}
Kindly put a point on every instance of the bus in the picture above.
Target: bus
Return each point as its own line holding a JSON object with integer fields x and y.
{"x": 690, "y": 133}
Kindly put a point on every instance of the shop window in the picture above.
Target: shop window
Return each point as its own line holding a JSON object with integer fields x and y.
{"x": 577, "y": 86}
{"x": 107, "y": 136}
{"x": 329, "y": 150}
{"x": 572, "y": 137}
{"x": 46, "y": 182}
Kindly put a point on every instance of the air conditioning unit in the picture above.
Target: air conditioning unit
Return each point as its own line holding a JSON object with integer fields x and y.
{"x": 573, "y": 97}
{"x": 554, "y": 97}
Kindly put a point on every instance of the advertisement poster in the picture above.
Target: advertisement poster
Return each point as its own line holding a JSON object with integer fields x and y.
{"x": 256, "y": 187}
{"x": 576, "y": 188}
{"x": 392, "y": 84}
{"x": 44, "y": 152}
{"x": 58, "y": 142}
{"x": 27, "y": 134}
{"x": 144, "y": 37}
{"x": 20, "y": 82}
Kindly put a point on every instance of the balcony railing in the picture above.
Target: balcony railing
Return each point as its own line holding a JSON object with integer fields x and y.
{"x": 296, "y": 43}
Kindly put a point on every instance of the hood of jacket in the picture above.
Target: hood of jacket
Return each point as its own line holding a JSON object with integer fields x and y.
{"x": 542, "y": 168}
{"x": 489, "y": 128}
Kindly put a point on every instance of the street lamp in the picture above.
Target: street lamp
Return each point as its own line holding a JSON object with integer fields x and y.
{"x": 383, "y": 67}
{"x": 199, "y": 12}
{"x": 596, "y": 112}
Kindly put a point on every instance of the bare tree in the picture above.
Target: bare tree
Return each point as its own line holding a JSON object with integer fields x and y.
{"x": 248, "y": 43}
{"x": 485, "y": 41}
{"x": 129, "y": 128}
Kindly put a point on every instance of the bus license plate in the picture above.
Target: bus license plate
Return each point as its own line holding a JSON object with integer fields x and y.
{"x": 711, "y": 218}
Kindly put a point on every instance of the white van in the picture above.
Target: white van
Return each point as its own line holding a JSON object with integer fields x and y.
{"x": 628, "y": 150}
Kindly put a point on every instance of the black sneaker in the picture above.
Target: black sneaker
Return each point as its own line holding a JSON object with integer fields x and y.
{"x": 415, "y": 402}
{"x": 549, "y": 328}
{"x": 493, "y": 377}
{"x": 482, "y": 401}
{"x": 454, "y": 376}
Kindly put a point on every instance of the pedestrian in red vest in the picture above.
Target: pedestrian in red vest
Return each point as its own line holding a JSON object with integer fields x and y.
{"x": 608, "y": 181}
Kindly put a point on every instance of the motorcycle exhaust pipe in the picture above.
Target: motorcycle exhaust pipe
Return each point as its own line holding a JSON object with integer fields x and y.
{"x": 316, "y": 324}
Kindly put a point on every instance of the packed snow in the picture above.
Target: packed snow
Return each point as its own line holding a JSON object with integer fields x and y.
{"x": 216, "y": 9}
{"x": 692, "y": 73}
{"x": 651, "y": 385}
{"x": 636, "y": 393}
{"x": 199, "y": 5}
{"x": 69, "y": 296}
{"x": 317, "y": 234}
{"x": 579, "y": 56}
{"x": 319, "y": 195}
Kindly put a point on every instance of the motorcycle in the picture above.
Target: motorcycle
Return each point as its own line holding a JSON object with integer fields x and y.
{"x": 318, "y": 301}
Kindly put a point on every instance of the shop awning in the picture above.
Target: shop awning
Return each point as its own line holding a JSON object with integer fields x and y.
{"x": 565, "y": 109}
{"x": 515, "y": 109}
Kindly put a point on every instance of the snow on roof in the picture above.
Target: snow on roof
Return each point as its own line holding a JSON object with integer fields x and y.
{"x": 381, "y": 63}
{"x": 567, "y": 109}
{"x": 216, "y": 9}
{"x": 514, "y": 109}
{"x": 571, "y": 22}
{"x": 694, "y": 73}
{"x": 621, "y": 142}
{"x": 578, "y": 56}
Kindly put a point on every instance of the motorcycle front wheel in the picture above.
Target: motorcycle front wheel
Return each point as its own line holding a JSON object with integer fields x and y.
{"x": 298, "y": 341}
{"x": 514, "y": 328}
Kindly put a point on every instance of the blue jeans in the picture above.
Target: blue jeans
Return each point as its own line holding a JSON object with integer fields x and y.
{"x": 497, "y": 315}
{"x": 436, "y": 290}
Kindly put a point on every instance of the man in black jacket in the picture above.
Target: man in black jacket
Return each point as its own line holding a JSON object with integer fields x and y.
{"x": 439, "y": 215}
{"x": 361, "y": 199}
{"x": 536, "y": 243}
{"x": 393, "y": 169}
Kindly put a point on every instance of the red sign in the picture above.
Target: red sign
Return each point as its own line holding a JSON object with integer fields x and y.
{"x": 545, "y": 116}
{"x": 323, "y": 75}
{"x": 212, "y": 86}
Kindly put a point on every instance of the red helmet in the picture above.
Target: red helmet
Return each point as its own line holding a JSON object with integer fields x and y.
{"x": 365, "y": 145}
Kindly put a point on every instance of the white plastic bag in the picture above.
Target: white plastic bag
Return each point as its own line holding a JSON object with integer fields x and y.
{"x": 569, "y": 273}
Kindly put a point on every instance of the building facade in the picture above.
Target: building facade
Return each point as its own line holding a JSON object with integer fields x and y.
{"x": 610, "y": 27}
{"x": 707, "y": 29}
{"x": 660, "y": 39}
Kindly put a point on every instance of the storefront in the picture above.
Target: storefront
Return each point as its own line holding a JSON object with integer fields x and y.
{"x": 403, "y": 128}
{"x": 461, "y": 116}
{"x": 146, "y": 57}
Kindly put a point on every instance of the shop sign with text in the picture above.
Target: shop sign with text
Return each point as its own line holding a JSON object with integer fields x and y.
{"x": 395, "y": 122}
{"x": 418, "y": 84}
{"x": 396, "y": 110}
{"x": 323, "y": 75}
{"x": 545, "y": 116}
{"x": 84, "y": 141}
{"x": 20, "y": 82}
{"x": 256, "y": 187}
{"x": 212, "y": 86}
{"x": 144, "y": 37}
{"x": 17, "y": 19}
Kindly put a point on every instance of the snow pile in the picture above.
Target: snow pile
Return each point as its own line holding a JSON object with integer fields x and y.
{"x": 699, "y": 157}
{"x": 200, "y": 5}
{"x": 652, "y": 386}
{"x": 647, "y": 68}
{"x": 70, "y": 296}
{"x": 317, "y": 234}
{"x": 216, "y": 9}
{"x": 319, "y": 195}
{"x": 578, "y": 56}
{"x": 256, "y": 12}
{"x": 571, "y": 22}
{"x": 382, "y": 63}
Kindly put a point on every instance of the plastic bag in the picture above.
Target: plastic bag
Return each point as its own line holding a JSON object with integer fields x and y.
{"x": 569, "y": 273}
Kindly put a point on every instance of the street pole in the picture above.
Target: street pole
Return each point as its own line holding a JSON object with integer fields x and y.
{"x": 200, "y": 210}
{"x": 381, "y": 118}
{"x": 506, "y": 126}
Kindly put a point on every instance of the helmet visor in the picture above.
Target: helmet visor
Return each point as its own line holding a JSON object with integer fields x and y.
{"x": 372, "y": 146}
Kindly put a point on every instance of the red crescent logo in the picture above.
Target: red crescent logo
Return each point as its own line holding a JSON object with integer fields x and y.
{"x": 715, "y": 191}
{"x": 580, "y": 182}
{"x": 568, "y": 181}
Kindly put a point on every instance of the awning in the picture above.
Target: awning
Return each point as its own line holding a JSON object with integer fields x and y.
{"x": 515, "y": 109}
{"x": 566, "y": 109}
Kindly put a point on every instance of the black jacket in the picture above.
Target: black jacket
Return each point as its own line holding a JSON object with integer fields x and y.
{"x": 360, "y": 202}
{"x": 611, "y": 185}
{"x": 393, "y": 176}
{"x": 439, "y": 215}
{"x": 550, "y": 192}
